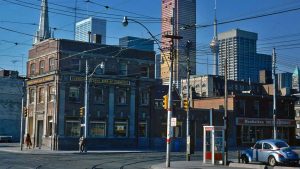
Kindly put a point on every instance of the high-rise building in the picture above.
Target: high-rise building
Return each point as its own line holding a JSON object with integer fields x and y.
{"x": 136, "y": 43}
{"x": 296, "y": 79}
{"x": 243, "y": 63}
{"x": 284, "y": 80}
{"x": 43, "y": 31}
{"x": 91, "y": 30}
{"x": 184, "y": 12}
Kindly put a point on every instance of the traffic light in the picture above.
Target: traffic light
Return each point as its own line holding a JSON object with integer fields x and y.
{"x": 165, "y": 101}
{"x": 185, "y": 104}
{"x": 25, "y": 112}
{"x": 81, "y": 111}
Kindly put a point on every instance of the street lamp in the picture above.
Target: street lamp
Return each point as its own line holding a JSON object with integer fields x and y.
{"x": 86, "y": 96}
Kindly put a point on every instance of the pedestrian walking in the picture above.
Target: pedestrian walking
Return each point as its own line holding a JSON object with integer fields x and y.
{"x": 82, "y": 144}
{"x": 28, "y": 141}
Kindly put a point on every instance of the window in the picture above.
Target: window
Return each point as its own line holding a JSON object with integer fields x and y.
{"x": 267, "y": 146}
{"x": 258, "y": 146}
{"x": 144, "y": 98}
{"x": 31, "y": 96}
{"x": 98, "y": 129}
{"x": 144, "y": 71}
{"x": 52, "y": 65}
{"x": 98, "y": 98}
{"x": 298, "y": 113}
{"x": 242, "y": 107}
{"x": 123, "y": 69}
{"x": 256, "y": 108}
{"x": 50, "y": 122}
{"x": 298, "y": 125}
{"x": 122, "y": 97}
{"x": 120, "y": 129}
{"x": 41, "y": 95}
{"x": 178, "y": 129}
{"x": 32, "y": 68}
{"x": 163, "y": 130}
{"x": 42, "y": 67}
{"x": 51, "y": 93}
{"x": 74, "y": 94}
{"x": 72, "y": 128}
{"x": 142, "y": 129}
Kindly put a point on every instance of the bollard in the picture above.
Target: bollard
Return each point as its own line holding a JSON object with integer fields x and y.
{"x": 239, "y": 155}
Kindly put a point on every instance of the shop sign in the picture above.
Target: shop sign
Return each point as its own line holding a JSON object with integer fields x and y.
{"x": 40, "y": 80}
{"x": 100, "y": 80}
{"x": 264, "y": 122}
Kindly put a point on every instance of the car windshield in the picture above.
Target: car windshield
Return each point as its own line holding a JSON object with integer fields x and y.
{"x": 281, "y": 144}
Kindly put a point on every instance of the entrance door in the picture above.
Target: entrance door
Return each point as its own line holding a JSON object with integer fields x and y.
{"x": 39, "y": 133}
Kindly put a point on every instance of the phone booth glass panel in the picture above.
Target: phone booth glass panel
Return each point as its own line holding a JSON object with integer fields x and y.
{"x": 213, "y": 147}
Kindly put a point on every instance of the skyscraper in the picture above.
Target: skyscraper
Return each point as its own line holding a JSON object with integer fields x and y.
{"x": 91, "y": 30}
{"x": 43, "y": 31}
{"x": 137, "y": 43}
{"x": 184, "y": 12}
{"x": 296, "y": 79}
{"x": 243, "y": 63}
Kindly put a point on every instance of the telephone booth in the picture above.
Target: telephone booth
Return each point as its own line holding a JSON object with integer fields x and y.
{"x": 213, "y": 147}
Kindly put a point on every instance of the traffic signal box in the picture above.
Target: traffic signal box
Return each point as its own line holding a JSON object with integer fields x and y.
{"x": 165, "y": 101}
{"x": 81, "y": 111}
{"x": 25, "y": 112}
{"x": 185, "y": 104}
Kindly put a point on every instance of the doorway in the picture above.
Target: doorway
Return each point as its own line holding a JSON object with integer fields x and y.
{"x": 39, "y": 133}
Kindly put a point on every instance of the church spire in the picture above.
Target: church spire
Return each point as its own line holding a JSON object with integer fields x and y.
{"x": 43, "y": 31}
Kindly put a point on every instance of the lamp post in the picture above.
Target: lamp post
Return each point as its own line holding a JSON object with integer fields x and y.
{"x": 86, "y": 96}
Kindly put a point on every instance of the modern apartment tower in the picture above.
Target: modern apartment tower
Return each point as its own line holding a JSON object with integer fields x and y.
{"x": 243, "y": 63}
{"x": 184, "y": 12}
{"x": 91, "y": 30}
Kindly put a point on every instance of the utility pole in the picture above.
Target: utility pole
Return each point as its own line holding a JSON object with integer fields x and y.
{"x": 22, "y": 116}
{"x": 274, "y": 94}
{"x": 188, "y": 137}
{"x": 86, "y": 91}
{"x": 170, "y": 102}
{"x": 225, "y": 114}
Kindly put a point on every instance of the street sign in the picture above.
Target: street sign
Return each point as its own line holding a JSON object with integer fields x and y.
{"x": 82, "y": 125}
{"x": 173, "y": 122}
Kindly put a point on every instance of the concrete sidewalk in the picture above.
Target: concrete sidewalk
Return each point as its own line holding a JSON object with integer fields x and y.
{"x": 188, "y": 165}
{"x": 15, "y": 148}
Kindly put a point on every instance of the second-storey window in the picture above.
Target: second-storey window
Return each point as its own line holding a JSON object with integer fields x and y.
{"x": 31, "y": 96}
{"x": 144, "y": 98}
{"x": 32, "y": 68}
{"x": 122, "y": 96}
{"x": 52, "y": 64}
{"x": 74, "y": 94}
{"x": 41, "y": 95}
{"x": 42, "y": 67}
{"x": 144, "y": 71}
{"x": 123, "y": 68}
{"x": 98, "y": 98}
{"x": 51, "y": 93}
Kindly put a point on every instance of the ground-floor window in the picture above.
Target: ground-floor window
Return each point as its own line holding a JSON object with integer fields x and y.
{"x": 72, "y": 128}
{"x": 97, "y": 129}
{"x": 178, "y": 130}
{"x": 163, "y": 129}
{"x": 50, "y": 125}
{"x": 121, "y": 129}
{"x": 142, "y": 129}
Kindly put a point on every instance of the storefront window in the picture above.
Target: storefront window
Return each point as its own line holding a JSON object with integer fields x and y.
{"x": 142, "y": 129}
{"x": 121, "y": 129}
{"x": 163, "y": 130}
{"x": 50, "y": 125}
{"x": 74, "y": 94}
{"x": 98, "y": 129}
{"x": 72, "y": 128}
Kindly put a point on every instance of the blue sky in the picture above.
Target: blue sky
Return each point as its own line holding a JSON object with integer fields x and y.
{"x": 281, "y": 31}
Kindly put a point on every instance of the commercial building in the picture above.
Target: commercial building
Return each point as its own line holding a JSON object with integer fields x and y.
{"x": 184, "y": 12}
{"x": 11, "y": 91}
{"x": 244, "y": 63}
{"x": 137, "y": 43}
{"x": 251, "y": 117}
{"x": 91, "y": 30}
{"x": 296, "y": 80}
{"x": 284, "y": 80}
{"x": 119, "y": 95}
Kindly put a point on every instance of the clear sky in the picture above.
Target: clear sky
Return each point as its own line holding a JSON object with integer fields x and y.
{"x": 281, "y": 31}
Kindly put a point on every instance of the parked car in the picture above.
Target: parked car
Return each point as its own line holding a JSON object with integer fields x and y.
{"x": 270, "y": 151}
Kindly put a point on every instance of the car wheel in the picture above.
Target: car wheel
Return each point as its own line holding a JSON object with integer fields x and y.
{"x": 244, "y": 159}
{"x": 272, "y": 161}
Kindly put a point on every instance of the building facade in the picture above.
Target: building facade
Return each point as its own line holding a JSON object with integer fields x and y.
{"x": 243, "y": 63}
{"x": 297, "y": 117}
{"x": 11, "y": 87}
{"x": 118, "y": 102}
{"x": 284, "y": 80}
{"x": 157, "y": 66}
{"x": 184, "y": 12}
{"x": 251, "y": 117}
{"x": 136, "y": 43}
{"x": 296, "y": 80}
{"x": 91, "y": 30}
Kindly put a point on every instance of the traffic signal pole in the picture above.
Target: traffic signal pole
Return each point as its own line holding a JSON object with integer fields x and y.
{"x": 22, "y": 118}
{"x": 86, "y": 102}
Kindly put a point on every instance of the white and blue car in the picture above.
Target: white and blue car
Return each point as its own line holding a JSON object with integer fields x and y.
{"x": 270, "y": 151}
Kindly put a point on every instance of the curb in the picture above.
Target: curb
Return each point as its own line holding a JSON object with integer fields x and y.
{"x": 240, "y": 165}
{"x": 279, "y": 167}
